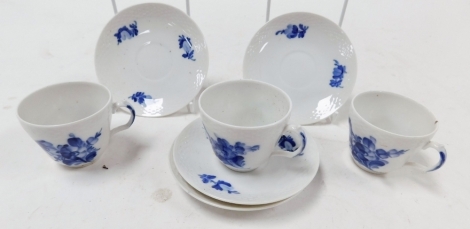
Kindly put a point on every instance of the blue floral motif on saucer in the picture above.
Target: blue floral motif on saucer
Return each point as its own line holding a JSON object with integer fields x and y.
{"x": 365, "y": 153}
{"x": 218, "y": 185}
{"x": 292, "y": 31}
{"x": 126, "y": 32}
{"x": 140, "y": 97}
{"x": 75, "y": 152}
{"x": 187, "y": 46}
{"x": 338, "y": 75}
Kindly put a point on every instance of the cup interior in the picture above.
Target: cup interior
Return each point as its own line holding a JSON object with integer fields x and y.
{"x": 245, "y": 103}
{"x": 63, "y": 103}
{"x": 395, "y": 113}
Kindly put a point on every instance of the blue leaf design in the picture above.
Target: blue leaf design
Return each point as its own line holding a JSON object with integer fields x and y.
{"x": 218, "y": 185}
{"x": 140, "y": 97}
{"x": 338, "y": 75}
{"x": 76, "y": 152}
{"x": 293, "y": 31}
{"x": 364, "y": 151}
{"x": 185, "y": 44}
{"x": 231, "y": 154}
{"x": 124, "y": 32}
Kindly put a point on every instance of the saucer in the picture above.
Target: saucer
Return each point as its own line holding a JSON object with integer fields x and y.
{"x": 307, "y": 56}
{"x": 277, "y": 180}
{"x": 217, "y": 203}
{"x": 154, "y": 56}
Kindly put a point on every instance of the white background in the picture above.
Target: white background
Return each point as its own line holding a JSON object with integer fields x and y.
{"x": 417, "y": 48}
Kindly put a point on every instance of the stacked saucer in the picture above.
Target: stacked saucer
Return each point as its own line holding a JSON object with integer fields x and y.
{"x": 204, "y": 177}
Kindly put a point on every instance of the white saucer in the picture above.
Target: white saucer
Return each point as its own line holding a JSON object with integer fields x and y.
{"x": 304, "y": 54}
{"x": 154, "y": 56}
{"x": 217, "y": 203}
{"x": 277, "y": 180}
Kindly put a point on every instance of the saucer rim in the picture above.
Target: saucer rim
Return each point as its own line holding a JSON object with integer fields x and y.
{"x": 316, "y": 163}
{"x": 183, "y": 14}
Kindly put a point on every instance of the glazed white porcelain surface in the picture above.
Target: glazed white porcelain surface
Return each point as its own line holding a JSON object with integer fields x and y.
{"x": 386, "y": 129}
{"x": 217, "y": 203}
{"x": 154, "y": 56}
{"x": 277, "y": 180}
{"x": 307, "y": 56}
{"x": 71, "y": 121}
{"x": 246, "y": 123}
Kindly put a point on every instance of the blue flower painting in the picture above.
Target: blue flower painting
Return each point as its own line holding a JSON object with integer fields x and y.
{"x": 231, "y": 154}
{"x": 364, "y": 151}
{"x": 287, "y": 143}
{"x": 125, "y": 32}
{"x": 75, "y": 152}
{"x": 139, "y": 97}
{"x": 293, "y": 31}
{"x": 218, "y": 185}
{"x": 187, "y": 46}
{"x": 338, "y": 75}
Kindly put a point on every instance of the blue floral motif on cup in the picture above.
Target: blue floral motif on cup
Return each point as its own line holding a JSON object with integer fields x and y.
{"x": 293, "y": 31}
{"x": 125, "y": 32}
{"x": 338, "y": 75}
{"x": 139, "y": 97}
{"x": 364, "y": 151}
{"x": 287, "y": 143}
{"x": 75, "y": 152}
{"x": 231, "y": 154}
{"x": 187, "y": 46}
{"x": 218, "y": 185}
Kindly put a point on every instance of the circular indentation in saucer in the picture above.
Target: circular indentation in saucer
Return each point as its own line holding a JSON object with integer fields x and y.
{"x": 154, "y": 61}
{"x": 297, "y": 68}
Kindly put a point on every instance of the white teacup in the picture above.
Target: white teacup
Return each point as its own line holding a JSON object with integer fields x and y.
{"x": 386, "y": 129}
{"x": 71, "y": 121}
{"x": 246, "y": 123}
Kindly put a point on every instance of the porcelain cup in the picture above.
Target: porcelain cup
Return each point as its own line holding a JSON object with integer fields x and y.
{"x": 246, "y": 123}
{"x": 386, "y": 129}
{"x": 71, "y": 121}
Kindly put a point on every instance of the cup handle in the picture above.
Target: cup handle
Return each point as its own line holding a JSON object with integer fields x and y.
{"x": 292, "y": 142}
{"x": 442, "y": 153}
{"x": 131, "y": 120}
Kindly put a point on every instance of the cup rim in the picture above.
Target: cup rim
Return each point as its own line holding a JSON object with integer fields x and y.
{"x": 58, "y": 85}
{"x": 401, "y": 97}
{"x": 286, "y": 116}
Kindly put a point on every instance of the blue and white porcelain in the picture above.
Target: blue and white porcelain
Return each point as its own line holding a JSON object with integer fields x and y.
{"x": 154, "y": 56}
{"x": 307, "y": 56}
{"x": 214, "y": 202}
{"x": 246, "y": 123}
{"x": 71, "y": 121}
{"x": 387, "y": 129}
{"x": 277, "y": 180}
